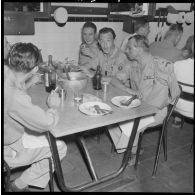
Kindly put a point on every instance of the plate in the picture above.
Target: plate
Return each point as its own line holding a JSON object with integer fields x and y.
{"x": 89, "y": 109}
{"x": 117, "y": 101}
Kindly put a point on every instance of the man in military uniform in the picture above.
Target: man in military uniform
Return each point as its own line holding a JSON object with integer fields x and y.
{"x": 142, "y": 75}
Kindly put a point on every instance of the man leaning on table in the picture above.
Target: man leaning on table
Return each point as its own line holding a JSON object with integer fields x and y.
{"x": 141, "y": 74}
{"x": 24, "y": 122}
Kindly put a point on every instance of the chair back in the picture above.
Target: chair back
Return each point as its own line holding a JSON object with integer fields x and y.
{"x": 186, "y": 95}
{"x": 170, "y": 108}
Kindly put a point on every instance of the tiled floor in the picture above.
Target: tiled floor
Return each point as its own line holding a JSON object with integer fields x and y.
{"x": 174, "y": 175}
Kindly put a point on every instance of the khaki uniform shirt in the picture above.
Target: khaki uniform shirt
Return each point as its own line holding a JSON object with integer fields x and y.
{"x": 20, "y": 113}
{"x": 113, "y": 64}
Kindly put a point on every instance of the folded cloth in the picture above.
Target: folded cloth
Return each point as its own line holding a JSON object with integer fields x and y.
{"x": 32, "y": 140}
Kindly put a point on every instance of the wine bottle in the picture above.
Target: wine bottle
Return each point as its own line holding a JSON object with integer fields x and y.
{"x": 97, "y": 79}
{"x": 50, "y": 76}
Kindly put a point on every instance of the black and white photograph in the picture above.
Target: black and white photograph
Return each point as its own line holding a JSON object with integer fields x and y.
{"x": 98, "y": 97}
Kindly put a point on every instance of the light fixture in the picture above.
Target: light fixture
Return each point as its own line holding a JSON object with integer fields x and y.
{"x": 61, "y": 16}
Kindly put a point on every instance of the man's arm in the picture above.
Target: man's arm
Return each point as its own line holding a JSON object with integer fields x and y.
{"x": 119, "y": 84}
{"x": 32, "y": 116}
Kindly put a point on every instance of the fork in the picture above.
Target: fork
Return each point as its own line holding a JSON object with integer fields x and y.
{"x": 103, "y": 111}
{"x": 128, "y": 102}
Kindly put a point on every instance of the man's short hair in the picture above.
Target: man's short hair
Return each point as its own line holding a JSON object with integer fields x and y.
{"x": 90, "y": 25}
{"x": 23, "y": 57}
{"x": 139, "y": 24}
{"x": 107, "y": 30}
{"x": 141, "y": 41}
{"x": 174, "y": 29}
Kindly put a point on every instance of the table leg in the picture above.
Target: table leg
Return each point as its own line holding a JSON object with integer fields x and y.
{"x": 83, "y": 148}
{"x": 95, "y": 181}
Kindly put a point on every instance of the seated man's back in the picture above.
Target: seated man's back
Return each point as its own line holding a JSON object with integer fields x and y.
{"x": 166, "y": 50}
{"x": 184, "y": 71}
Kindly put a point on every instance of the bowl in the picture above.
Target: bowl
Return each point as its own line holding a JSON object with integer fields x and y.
{"x": 77, "y": 82}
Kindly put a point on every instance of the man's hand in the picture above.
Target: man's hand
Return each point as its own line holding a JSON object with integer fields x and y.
{"x": 53, "y": 100}
{"x": 36, "y": 78}
{"x": 134, "y": 92}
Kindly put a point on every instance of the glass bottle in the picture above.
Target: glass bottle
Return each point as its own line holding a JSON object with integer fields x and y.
{"x": 50, "y": 76}
{"x": 97, "y": 79}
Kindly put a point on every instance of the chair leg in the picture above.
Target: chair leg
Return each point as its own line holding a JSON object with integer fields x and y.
{"x": 165, "y": 144}
{"x": 182, "y": 122}
{"x": 158, "y": 153}
{"x": 51, "y": 176}
{"x": 112, "y": 148}
{"x": 192, "y": 145}
{"x": 138, "y": 149}
{"x": 8, "y": 173}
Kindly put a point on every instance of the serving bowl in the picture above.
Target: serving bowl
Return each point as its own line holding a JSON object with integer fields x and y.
{"x": 77, "y": 82}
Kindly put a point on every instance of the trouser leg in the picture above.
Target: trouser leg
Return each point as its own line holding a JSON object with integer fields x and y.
{"x": 120, "y": 133}
{"x": 38, "y": 173}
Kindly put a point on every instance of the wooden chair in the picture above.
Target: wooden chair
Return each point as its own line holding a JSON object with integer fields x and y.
{"x": 163, "y": 137}
{"x": 8, "y": 170}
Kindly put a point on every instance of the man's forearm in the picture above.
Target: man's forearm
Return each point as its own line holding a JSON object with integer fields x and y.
{"x": 117, "y": 83}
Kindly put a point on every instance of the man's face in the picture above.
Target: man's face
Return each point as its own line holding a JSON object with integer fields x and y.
{"x": 6, "y": 48}
{"x": 131, "y": 49}
{"x": 88, "y": 35}
{"x": 106, "y": 42}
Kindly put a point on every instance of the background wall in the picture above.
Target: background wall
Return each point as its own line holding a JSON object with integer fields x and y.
{"x": 64, "y": 41}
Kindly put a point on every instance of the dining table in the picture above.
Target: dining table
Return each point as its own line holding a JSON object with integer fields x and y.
{"x": 73, "y": 122}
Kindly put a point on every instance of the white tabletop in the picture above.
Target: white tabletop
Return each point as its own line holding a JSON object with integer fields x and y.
{"x": 73, "y": 121}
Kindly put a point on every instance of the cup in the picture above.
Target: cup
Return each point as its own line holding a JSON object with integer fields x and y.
{"x": 105, "y": 86}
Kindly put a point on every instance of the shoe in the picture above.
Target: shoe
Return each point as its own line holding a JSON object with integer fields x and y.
{"x": 133, "y": 151}
{"x": 14, "y": 188}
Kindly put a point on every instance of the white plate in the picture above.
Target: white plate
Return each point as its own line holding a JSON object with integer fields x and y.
{"x": 88, "y": 108}
{"x": 117, "y": 101}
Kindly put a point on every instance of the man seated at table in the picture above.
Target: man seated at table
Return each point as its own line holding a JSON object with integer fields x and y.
{"x": 111, "y": 58}
{"x": 141, "y": 27}
{"x": 187, "y": 49}
{"x": 24, "y": 122}
{"x": 167, "y": 48}
{"x": 89, "y": 48}
{"x": 140, "y": 73}
{"x": 184, "y": 71}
